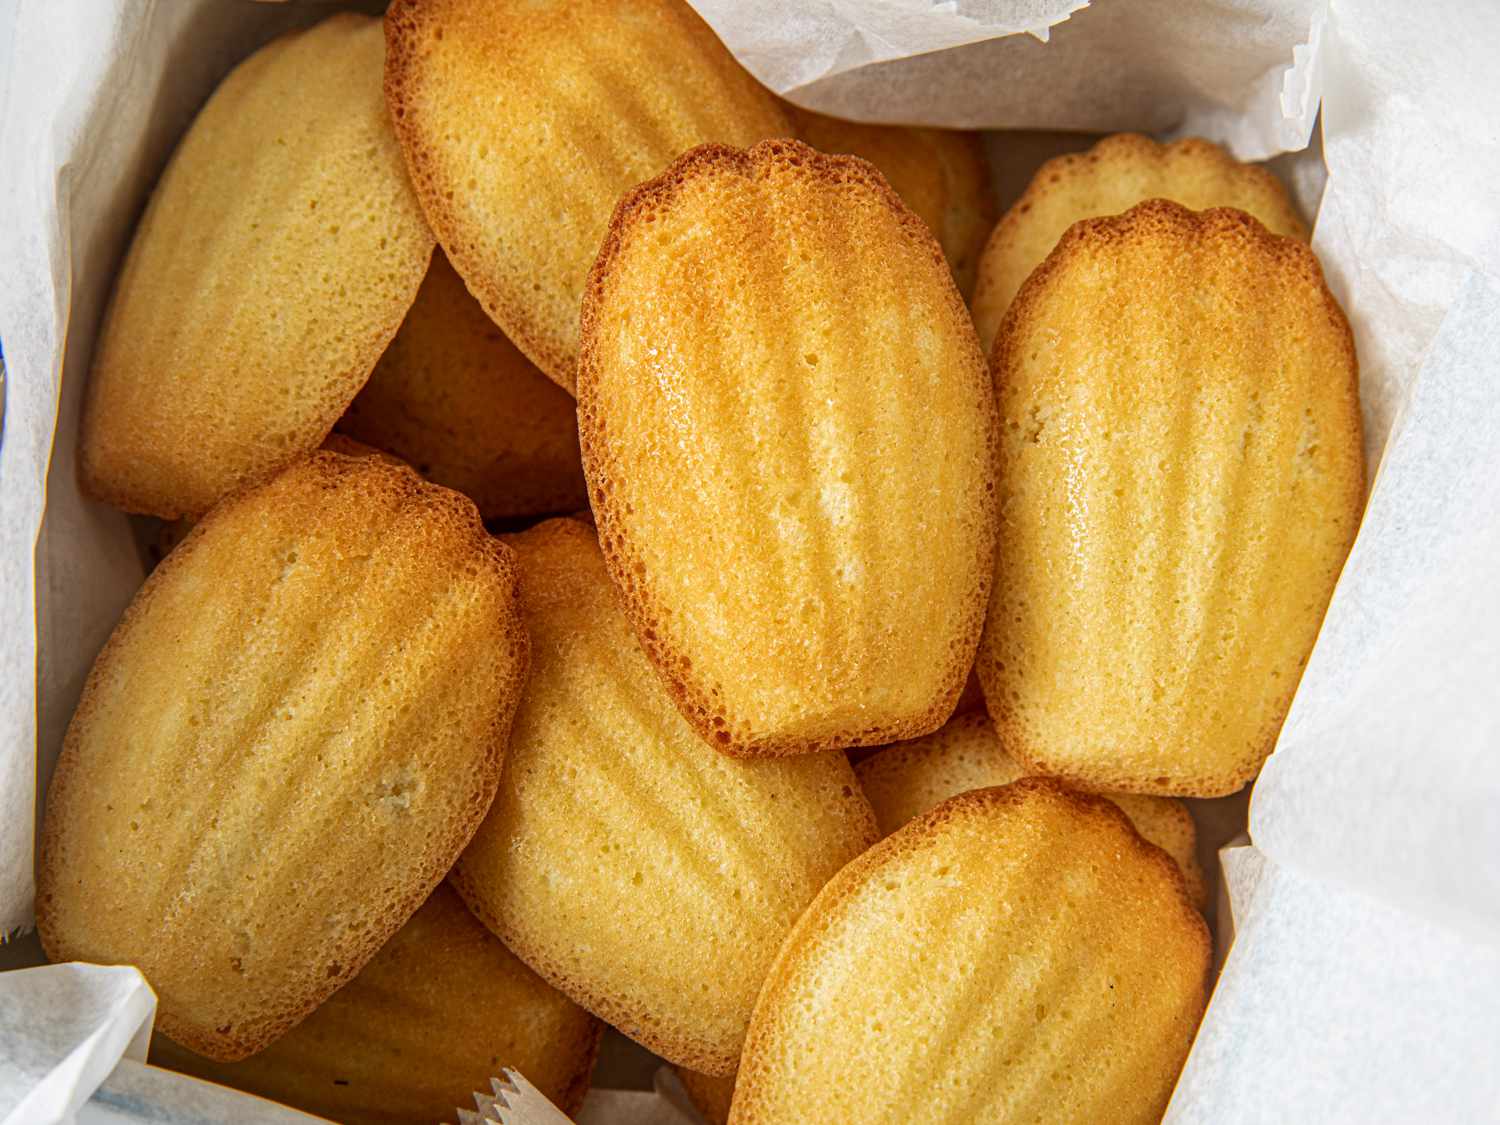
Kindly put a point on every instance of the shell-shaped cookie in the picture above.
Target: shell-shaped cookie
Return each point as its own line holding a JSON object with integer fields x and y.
{"x": 431, "y": 1019}
{"x": 273, "y": 264}
{"x": 290, "y": 736}
{"x": 646, "y": 876}
{"x": 1116, "y": 174}
{"x": 523, "y": 121}
{"x": 1180, "y": 478}
{"x": 904, "y": 781}
{"x": 788, "y": 435}
{"x": 1017, "y": 954}
{"x": 459, "y": 401}
{"x": 940, "y": 174}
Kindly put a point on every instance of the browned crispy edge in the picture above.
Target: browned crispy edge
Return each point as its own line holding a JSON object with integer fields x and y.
{"x": 403, "y": 59}
{"x": 626, "y": 1017}
{"x": 901, "y": 755}
{"x": 1286, "y": 258}
{"x": 623, "y": 1017}
{"x": 1193, "y": 875}
{"x": 873, "y": 768}
{"x": 324, "y": 469}
{"x": 403, "y": 30}
{"x": 1137, "y": 146}
{"x": 625, "y": 566}
{"x": 960, "y": 159}
{"x": 582, "y": 1048}
{"x": 1121, "y": 146}
{"x": 908, "y": 838}
{"x": 371, "y": 347}
{"x": 620, "y": 1014}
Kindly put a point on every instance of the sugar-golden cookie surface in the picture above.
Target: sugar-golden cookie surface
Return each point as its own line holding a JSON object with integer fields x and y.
{"x": 430, "y": 1020}
{"x": 274, "y": 262}
{"x": 906, "y": 780}
{"x": 1181, "y": 476}
{"x": 1116, "y": 174}
{"x": 788, "y": 436}
{"x": 524, "y": 121}
{"x": 940, "y": 174}
{"x": 646, "y": 876}
{"x": 1017, "y": 954}
{"x": 459, "y": 401}
{"x": 292, "y": 733}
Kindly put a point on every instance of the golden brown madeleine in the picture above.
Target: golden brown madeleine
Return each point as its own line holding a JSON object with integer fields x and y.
{"x": 1180, "y": 479}
{"x": 431, "y": 1019}
{"x": 906, "y": 780}
{"x": 710, "y": 1094}
{"x": 1016, "y": 954}
{"x": 644, "y": 875}
{"x": 457, "y": 399}
{"x": 523, "y": 121}
{"x": 292, "y": 733}
{"x": 1116, "y": 174}
{"x": 277, "y": 256}
{"x": 941, "y": 174}
{"x": 788, "y": 435}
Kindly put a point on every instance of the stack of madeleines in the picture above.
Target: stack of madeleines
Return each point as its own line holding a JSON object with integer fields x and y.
{"x": 382, "y": 799}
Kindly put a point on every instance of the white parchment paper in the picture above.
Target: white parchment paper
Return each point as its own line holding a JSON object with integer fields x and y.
{"x": 93, "y": 1016}
{"x": 1338, "y": 1007}
{"x": 1364, "y": 982}
{"x": 1242, "y": 71}
{"x": 1387, "y": 774}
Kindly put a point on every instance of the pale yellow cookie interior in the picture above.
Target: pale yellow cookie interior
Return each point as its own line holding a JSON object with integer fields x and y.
{"x": 1116, "y": 174}
{"x": 787, "y": 431}
{"x": 642, "y": 873}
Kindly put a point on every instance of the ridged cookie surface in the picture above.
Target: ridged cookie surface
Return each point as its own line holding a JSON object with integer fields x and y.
{"x": 431, "y": 1019}
{"x": 459, "y": 401}
{"x": 290, "y": 736}
{"x": 1017, "y": 954}
{"x": 939, "y": 173}
{"x": 906, "y": 780}
{"x": 643, "y": 874}
{"x": 1116, "y": 174}
{"x": 788, "y": 436}
{"x": 279, "y": 252}
{"x": 1181, "y": 477}
{"x": 523, "y": 122}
